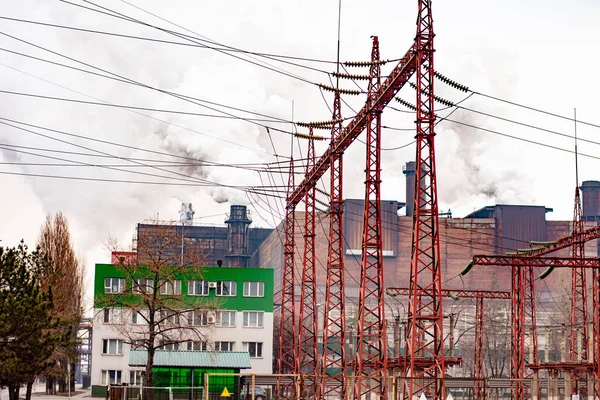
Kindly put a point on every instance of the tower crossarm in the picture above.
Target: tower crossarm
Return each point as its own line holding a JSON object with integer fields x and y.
{"x": 397, "y": 78}
{"x": 529, "y": 261}
{"x": 541, "y": 248}
{"x": 466, "y": 294}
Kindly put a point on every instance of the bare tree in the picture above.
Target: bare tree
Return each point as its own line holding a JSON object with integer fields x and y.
{"x": 65, "y": 275}
{"x": 150, "y": 295}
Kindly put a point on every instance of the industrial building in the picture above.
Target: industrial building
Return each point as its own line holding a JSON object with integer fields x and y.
{"x": 496, "y": 229}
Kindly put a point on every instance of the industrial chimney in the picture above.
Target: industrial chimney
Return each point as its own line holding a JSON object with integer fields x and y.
{"x": 409, "y": 171}
{"x": 237, "y": 237}
{"x": 590, "y": 197}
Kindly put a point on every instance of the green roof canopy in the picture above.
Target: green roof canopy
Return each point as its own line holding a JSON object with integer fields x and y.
{"x": 199, "y": 359}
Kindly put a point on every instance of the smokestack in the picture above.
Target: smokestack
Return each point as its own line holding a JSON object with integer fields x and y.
{"x": 409, "y": 171}
{"x": 237, "y": 237}
{"x": 590, "y": 198}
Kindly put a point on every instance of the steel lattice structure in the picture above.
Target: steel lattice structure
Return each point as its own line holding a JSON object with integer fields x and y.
{"x": 530, "y": 342}
{"x": 371, "y": 356}
{"x": 307, "y": 335}
{"x": 425, "y": 324}
{"x": 578, "y": 338}
{"x": 333, "y": 363}
{"x": 288, "y": 349}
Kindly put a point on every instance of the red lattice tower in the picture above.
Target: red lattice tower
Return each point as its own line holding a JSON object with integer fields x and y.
{"x": 596, "y": 318}
{"x": 371, "y": 357}
{"x": 517, "y": 316}
{"x": 425, "y": 363}
{"x": 307, "y": 334}
{"x": 578, "y": 338}
{"x": 333, "y": 363}
{"x": 479, "y": 392}
{"x": 530, "y": 343}
{"x": 287, "y": 362}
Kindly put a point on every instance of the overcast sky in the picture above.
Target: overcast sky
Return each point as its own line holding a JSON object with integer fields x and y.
{"x": 540, "y": 54}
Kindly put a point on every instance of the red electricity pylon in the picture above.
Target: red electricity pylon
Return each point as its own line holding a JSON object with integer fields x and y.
{"x": 479, "y": 296}
{"x": 425, "y": 325}
{"x": 520, "y": 264}
{"x": 596, "y": 319}
{"x": 333, "y": 362}
{"x": 307, "y": 342}
{"x": 370, "y": 366}
{"x": 579, "y": 312}
{"x": 530, "y": 343}
{"x": 287, "y": 362}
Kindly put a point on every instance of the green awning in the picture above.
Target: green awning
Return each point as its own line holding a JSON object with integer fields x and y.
{"x": 198, "y": 359}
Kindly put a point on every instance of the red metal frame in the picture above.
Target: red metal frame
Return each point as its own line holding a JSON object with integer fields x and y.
{"x": 579, "y": 312}
{"x": 479, "y": 370}
{"x": 396, "y": 79}
{"x": 371, "y": 354}
{"x": 517, "y": 316}
{"x": 425, "y": 325}
{"x": 307, "y": 335}
{"x": 522, "y": 261}
{"x": 288, "y": 350}
{"x": 333, "y": 361}
{"x": 530, "y": 337}
{"x": 596, "y": 319}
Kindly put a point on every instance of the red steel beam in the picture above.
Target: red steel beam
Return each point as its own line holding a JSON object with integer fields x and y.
{"x": 333, "y": 360}
{"x": 371, "y": 355}
{"x": 307, "y": 335}
{"x": 425, "y": 313}
{"x": 529, "y": 261}
{"x": 397, "y": 78}
{"x": 287, "y": 362}
{"x": 479, "y": 352}
{"x": 462, "y": 293}
{"x": 565, "y": 242}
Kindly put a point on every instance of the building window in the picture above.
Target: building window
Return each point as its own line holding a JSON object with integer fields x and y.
{"x": 224, "y": 346}
{"x": 197, "y": 318}
{"x": 135, "y": 378}
{"x": 253, "y": 319}
{"x": 169, "y": 317}
{"x": 111, "y": 377}
{"x": 254, "y": 289}
{"x": 114, "y": 285}
{"x": 139, "y": 317}
{"x": 226, "y": 318}
{"x": 168, "y": 345}
{"x": 198, "y": 288}
{"x": 113, "y": 316}
{"x": 226, "y": 288}
{"x": 138, "y": 344}
{"x": 172, "y": 287}
{"x": 144, "y": 285}
{"x": 112, "y": 346}
{"x": 254, "y": 349}
{"x": 196, "y": 345}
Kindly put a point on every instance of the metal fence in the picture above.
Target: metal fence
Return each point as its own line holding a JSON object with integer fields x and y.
{"x": 118, "y": 392}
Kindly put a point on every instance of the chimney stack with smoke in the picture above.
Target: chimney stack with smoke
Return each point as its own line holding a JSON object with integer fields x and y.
{"x": 409, "y": 171}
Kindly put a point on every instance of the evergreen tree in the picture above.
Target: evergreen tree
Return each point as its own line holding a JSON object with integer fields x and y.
{"x": 28, "y": 328}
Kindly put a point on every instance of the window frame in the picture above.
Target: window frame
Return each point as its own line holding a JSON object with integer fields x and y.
{"x": 190, "y": 344}
{"x": 174, "y": 284}
{"x": 218, "y": 320}
{"x": 219, "y": 290}
{"x": 257, "y": 345}
{"x": 108, "y": 289}
{"x": 110, "y": 314}
{"x": 260, "y": 288}
{"x": 192, "y": 287}
{"x": 218, "y": 346}
{"x": 138, "y": 378}
{"x": 145, "y": 288}
{"x": 258, "y": 313}
{"x": 193, "y": 315}
{"x": 106, "y": 347}
{"x": 106, "y": 374}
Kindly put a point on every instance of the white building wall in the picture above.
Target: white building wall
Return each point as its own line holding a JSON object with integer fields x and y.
{"x": 237, "y": 334}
